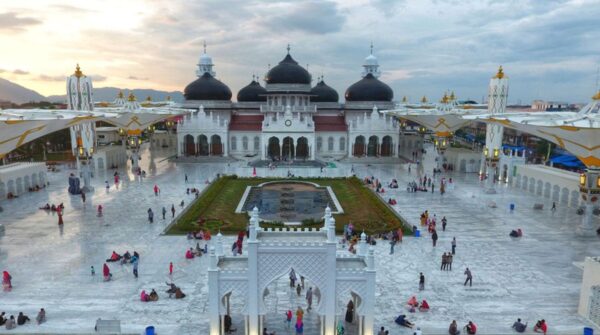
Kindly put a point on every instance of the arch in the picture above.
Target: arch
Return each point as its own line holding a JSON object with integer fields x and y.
{"x": 287, "y": 150}
{"x": 2, "y": 190}
{"x": 547, "y": 190}
{"x": 359, "y": 146}
{"x": 555, "y": 193}
{"x": 319, "y": 144}
{"x": 342, "y": 144}
{"x": 532, "y": 185}
{"x": 233, "y": 143}
{"x": 373, "y": 146}
{"x": 202, "y": 146}
{"x": 100, "y": 162}
{"x": 387, "y": 146}
{"x": 285, "y": 273}
{"x": 564, "y": 196}
{"x": 302, "y": 148}
{"x": 216, "y": 147}
{"x": 245, "y": 143}
{"x": 256, "y": 143}
{"x": 274, "y": 149}
{"x": 34, "y": 180}
{"x": 539, "y": 188}
{"x": 10, "y": 187}
{"x": 19, "y": 185}
{"x": 330, "y": 143}
{"x": 189, "y": 146}
{"x": 574, "y": 198}
{"x": 27, "y": 182}
{"x": 525, "y": 182}
{"x": 42, "y": 178}
{"x": 462, "y": 166}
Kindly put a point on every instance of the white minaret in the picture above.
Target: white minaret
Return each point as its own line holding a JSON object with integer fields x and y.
{"x": 83, "y": 135}
{"x": 371, "y": 65}
{"x": 205, "y": 64}
{"x": 498, "y": 95}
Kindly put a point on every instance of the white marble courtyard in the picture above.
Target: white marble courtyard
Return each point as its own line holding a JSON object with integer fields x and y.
{"x": 531, "y": 278}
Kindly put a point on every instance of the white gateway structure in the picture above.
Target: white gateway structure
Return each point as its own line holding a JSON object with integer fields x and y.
{"x": 310, "y": 253}
{"x": 288, "y": 118}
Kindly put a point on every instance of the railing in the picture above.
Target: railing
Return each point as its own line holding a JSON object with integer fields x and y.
{"x": 293, "y": 109}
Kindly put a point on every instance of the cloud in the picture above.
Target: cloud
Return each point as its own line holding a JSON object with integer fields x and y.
{"x": 71, "y": 9}
{"x": 97, "y": 78}
{"x": 20, "y": 72}
{"x": 314, "y": 17}
{"x": 10, "y": 21}
{"x": 136, "y": 78}
{"x": 45, "y": 77}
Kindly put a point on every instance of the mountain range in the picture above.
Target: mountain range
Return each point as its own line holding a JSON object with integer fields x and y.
{"x": 18, "y": 94}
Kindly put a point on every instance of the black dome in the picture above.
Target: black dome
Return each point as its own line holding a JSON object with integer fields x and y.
{"x": 288, "y": 72}
{"x": 369, "y": 89}
{"x": 207, "y": 88}
{"x": 323, "y": 93}
{"x": 252, "y": 92}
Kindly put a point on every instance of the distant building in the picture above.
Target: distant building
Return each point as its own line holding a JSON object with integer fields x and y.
{"x": 550, "y": 106}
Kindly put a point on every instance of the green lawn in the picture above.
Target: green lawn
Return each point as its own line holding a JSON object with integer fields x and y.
{"x": 218, "y": 202}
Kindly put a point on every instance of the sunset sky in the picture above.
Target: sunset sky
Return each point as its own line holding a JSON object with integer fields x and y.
{"x": 550, "y": 49}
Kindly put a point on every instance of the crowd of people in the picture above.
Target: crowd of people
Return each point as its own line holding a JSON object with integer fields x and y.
{"x": 9, "y": 322}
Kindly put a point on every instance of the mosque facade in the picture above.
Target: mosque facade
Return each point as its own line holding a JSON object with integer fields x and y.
{"x": 288, "y": 118}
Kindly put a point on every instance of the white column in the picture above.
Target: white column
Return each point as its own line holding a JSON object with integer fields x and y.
{"x": 213, "y": 294}
{"x": 253, "y": 294}
{"x": 369, "y": 298}
{"x": 329, "y": 295}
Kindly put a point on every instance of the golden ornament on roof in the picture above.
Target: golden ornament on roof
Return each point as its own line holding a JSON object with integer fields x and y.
{"x": 131, "y": 97}
{"x": 424, "y": 99}
{"x": 78, "y": 72}
{"x": 452, "y": 96}
{"x": 444, "y": 99}
{"x": 120, "y": 95}
{"x": 596, "y": 96}
{"x": 149, "y": 98}
{"x": 404, "y": 99}
{"x": 500, "y": 73}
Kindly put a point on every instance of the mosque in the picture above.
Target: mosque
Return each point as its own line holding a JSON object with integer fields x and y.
{"x": 288, "y": 118}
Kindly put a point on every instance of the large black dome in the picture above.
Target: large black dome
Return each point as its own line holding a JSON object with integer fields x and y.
{"x": 323, "y": 93}
{"x": 288, "y": 72}
{"x": 369, "y": 89}
{"x": 207, "y": 88}
{"x": 252, "y": 92}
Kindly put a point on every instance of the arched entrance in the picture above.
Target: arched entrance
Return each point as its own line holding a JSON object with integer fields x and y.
{"x": 372, "y": 146}
{"x": 189, "y": 147}
{"x": 203, "y": 145}
{"x": 216, "y": 147}
{"x": 302, "y": 148}
{"x": 359, "y": 146}
{"x": 274, "y": 148}
{"x": 386, "y": 146}
{"x": 288, "y": 148}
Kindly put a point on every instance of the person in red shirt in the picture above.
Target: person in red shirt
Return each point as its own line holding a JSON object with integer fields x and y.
{"x": 540, "y": 327}
{"x": 471, "y": 328}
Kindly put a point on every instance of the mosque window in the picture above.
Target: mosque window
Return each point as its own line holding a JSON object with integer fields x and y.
{"x": 256, "y": 143}
{"x": 330, "y": 144}
{"x": 245, "y": 143}
{"x": 233, "y": 143}
{"x": 319, "y": 143}
{"x": 342, "y": 144}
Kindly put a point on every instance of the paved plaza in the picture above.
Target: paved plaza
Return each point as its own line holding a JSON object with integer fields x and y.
{"x": 532, "y": 278}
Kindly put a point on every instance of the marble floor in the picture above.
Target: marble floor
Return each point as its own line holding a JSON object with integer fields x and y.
{"x": 531, "y": 278}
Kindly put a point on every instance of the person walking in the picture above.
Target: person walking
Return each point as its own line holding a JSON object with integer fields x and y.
{"x": 170, "y": 268}
{"x": 156, "y": 190}
{"x": 449, "y": 262}
{"x": 392, "y": 245}
{"x": 83, "y": 197}
{"x": 6, "y": 281}
{"x": 434, "y": 237}
{"x": 164, "y": 212}
{"x": 298, "y": 289}
{"x": 288, "y": 318}
{"x": 444, "y": 222}
{"x": 309, "y": 299}
{"x": 553, "y": 206}
{"x": 172, "y": 210}
{"x": 186, "y": 178}
{"x": 432, "y": 188}
{"x": 421, "y": 281}
{"x": 469, "y": 277}
{"x": 454, "y": 245}
{"x": 93, "y": 271}
{"x": 135, "y": 267}
{"x": 444, "y": 262}
{"x": 150, "y": 215}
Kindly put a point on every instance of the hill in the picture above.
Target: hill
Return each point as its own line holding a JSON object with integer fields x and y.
{"x": 16, "y": 93}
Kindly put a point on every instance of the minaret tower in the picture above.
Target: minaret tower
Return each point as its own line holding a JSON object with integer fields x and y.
{"x": 205, "y": 64}
{"x": 83, "y": 135}
{"x": 498, "y": 95}
{"x": 371, "y": 65}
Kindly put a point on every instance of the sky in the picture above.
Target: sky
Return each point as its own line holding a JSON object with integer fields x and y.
{"x": 549, "y": 49}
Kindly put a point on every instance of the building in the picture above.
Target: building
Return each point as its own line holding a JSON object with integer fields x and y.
{"x": 550, "y": 106}
{"x": 288, "y": 118}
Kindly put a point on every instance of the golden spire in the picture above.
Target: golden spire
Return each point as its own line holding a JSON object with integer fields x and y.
{"x": 596, "y": 96}
{"x": 444, "y": 99}
{"x": 424, "y": 99}
{"x": 78, "y": 72}
{"x": 452, "y": 96}
{"x": 500, "y": 73}
{"x": 149, "y": 98}
{"x": 404, "y": 99}
{"x": 120, "y": 95}
{"x": 168, "y": 98}
{"x": 131, "y": 97}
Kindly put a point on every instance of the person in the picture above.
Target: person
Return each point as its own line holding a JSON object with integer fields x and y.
{"x": 392, "y": 245}
{"x": 350, "y": 311}
{"x": 189, "y": 254}
{"x": 22, "y": 318}
{"x": 83, "y": 197}
{"x": 444, "y": 262}
{"x": 424, "y": 306}
{"x": 173, "y": 210}
{"x": 471, "y": 328}
{"x": 469, "y": 277}
{"x": 421, "y": 281}
{"x": 309, "y": 298}
{"x": 99, "y": 210}
{"x": 182, "y": 203}
{"x": 179, "y": 294}
{"x": 418, "y": 331}
{"x": 11, "y": 323}
{"x": 519, "y": 326}
{"x": 444, "y": 222}
{"x": 292, "y": 278}
{"x": 434, "y": 237}
{"x": 541, "y": 327}
{"x": 381, "y": 331}
{"x": 453, "y": 329}
{"x": 126, "y": 258}
{"x": 170, "y": 268}
{"x": 156, "y": 190}
{"x": 107, "y": 186}
{"x": 298, "y": 289}
{"x": 513, "y": 233}
{"x": 164, "y": 212}
{"x": 401, "y": 320}
{"x": 144, "y": 296}
{"x": 186, "y": 178}
{"x": 2, "y": 319}
{"x": 449, "y": 259}
{"x": 153, "y": 296}
{"x": 114, "y": 257}
{"x": 454, "y": 245}
{"x": 106, "y": 272}
{"x": 6, "y": 281}
{"x": 412, "y": 302}
{"x": 288, "y": 318}
{"x": 135, "y": 263}
{"x": 553, "y": 206}
{"x": 150, "y": 215}
{"x": 299, "y": 327}
{"x": 93, "y": 271}
{"x": 299, "y": 313}
{"x": 228, "y": 324}
{"x": 265, "y": 332}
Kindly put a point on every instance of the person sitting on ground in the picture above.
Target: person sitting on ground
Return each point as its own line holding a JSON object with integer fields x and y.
{"x": 189, "y": 254}
{"x": 198, "y": 251}
{"x": 424, "y": 306}
{"x": 401, "y": 320}
{"x": 2, "y": 319}
{"x": 22, "y": 318}
{"x": 381, "y": 331}
{"x": 179, "y": 293}
{"x": 413, "y": 302}
{"x": 153, "y": 296}
{"x": 41, "y": 317}
{"x": 265, "y": 332}
{"x": 11, "y": 323}
{"x": 172, "y": 289}
{"x": 53, "y": 208}
{"x": 114, "y": 257}
{"x": 471, "y": 328}
{"x": 144, "y": 296}
{"x": 453, "y": 329}
{"x": 47, "y": 207}
{"x": 516, "y": 233}
{"x": 126, "y": 257}
{"x": 540, "y": 327}
{"x": 190, "y": 235}
{"x": 228, "y": 323}
{"x": 519, "y": 326}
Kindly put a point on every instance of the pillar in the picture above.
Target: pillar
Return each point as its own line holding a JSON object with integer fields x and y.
{"x": 253, "y": 294}
{"x": 328, "y": 295}
{"x": 213, "y": 294}
{"x": 369, "y": 298}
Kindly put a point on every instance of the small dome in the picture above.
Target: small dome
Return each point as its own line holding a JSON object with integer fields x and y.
{"x": 205, "y": 60}
{"x": 371, "y": 60}
{"x": 288, "y": 72}
{"x": 252, "y": 92}
{"x": 207, "y": 88}
{"x": 369, "y": 89}
{"x": 323, "y": 93}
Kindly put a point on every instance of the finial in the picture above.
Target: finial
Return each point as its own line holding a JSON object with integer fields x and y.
{"x": 452, "y": 96}
{"x": 404, "y": 99}
{"x": 204, "y": 44}
{"x": 371, "y": 47}
{"x": 444, "y": 99}
{"x": 288, "y": 48}
{"x": 149, "y": 98}
{"x": 424, "y": 99}
{"x": 596, "y": 96}
{"x": 120, "y": 95}
{"x": 500, "y": 73}
{"x": 78, "y": 72}
{"x": 131, "y": 97}
{"x": 168, "y": 98}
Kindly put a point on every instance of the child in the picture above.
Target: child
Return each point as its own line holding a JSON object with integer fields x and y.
{"x": 288, "y": 318}
{"x": 93, "y": 271}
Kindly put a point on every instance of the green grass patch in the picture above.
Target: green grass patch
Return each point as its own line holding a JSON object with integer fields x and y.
{"x": 216, "y": 207}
